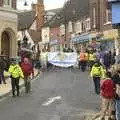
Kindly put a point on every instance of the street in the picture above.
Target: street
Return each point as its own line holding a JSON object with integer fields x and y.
{"x": 59, "y": 94}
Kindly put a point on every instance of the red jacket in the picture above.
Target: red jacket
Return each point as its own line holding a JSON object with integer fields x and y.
{"x": 27, "y": 69}
{"x": 107, "y": 89}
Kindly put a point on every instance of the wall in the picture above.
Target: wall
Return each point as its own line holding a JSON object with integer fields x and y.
{"x": 8, "y": 22}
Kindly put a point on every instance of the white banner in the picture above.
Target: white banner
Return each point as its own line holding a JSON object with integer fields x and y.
{"x": 62, "y": 59}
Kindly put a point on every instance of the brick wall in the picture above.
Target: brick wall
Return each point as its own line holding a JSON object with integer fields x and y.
{"x": 40, "y": 16}
{"x": 100, "y": 6}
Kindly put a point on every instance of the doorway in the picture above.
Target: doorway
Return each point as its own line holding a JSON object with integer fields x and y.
{"x": 5, "y": 44}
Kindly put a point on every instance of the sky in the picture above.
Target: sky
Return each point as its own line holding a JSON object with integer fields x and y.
{"x": 49, "y": 4}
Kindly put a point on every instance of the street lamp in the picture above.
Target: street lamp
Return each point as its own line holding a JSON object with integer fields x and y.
{"x": 25, "y": 4}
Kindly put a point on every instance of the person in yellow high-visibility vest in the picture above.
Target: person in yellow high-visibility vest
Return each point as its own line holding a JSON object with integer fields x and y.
{"x": 16, "y": 73}
{"x": 97, "y": 72}
{"x": 91, "y": 58}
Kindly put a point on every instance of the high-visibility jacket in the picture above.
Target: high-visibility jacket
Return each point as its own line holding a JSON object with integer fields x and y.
{"x": 16, "y": 71}
{"x": 91, "y": 57}
{"x": 97, "y": 71}
{"x": 87, "y": 57}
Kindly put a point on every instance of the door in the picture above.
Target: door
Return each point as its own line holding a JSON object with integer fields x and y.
{"x": 5, "y": 44}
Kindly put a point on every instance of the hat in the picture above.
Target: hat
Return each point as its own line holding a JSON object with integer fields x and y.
{"x": 13, "y": 59}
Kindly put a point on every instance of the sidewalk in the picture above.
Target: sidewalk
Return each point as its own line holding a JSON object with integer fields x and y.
{"x": 5, "y": 89}
{"x": 96, "y": 116}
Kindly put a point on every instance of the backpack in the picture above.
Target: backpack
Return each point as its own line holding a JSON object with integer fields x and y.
{"x": 118, "y": 90}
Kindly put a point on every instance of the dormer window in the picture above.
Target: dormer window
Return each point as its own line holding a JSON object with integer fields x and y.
{"x": 7, "y": 3}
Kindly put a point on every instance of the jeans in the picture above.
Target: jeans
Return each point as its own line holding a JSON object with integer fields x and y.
{"x": 83, "y": 65}
{"x": 117, "y": 109}
{"x": 27, "y": 82}
{"x": 96, "y": 81}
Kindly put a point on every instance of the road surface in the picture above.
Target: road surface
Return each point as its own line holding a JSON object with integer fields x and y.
{"x": 59, "y": 94}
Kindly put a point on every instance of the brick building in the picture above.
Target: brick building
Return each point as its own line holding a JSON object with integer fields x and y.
{"x": 101, "y": 23}
{"x": 8, "y": 27}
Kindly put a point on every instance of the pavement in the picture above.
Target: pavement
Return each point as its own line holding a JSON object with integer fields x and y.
{"x": 58, "y": 94}
{"x": 5, "y": 89}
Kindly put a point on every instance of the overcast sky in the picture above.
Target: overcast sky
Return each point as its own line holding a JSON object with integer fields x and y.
{"x": 49, "y": 4}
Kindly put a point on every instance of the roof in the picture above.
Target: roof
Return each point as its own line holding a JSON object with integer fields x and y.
{"x": 72, "y": 10}
{"x": 26, "y": 19}
{"x": 57, "y": 10}
{"x": 35, "y": 35}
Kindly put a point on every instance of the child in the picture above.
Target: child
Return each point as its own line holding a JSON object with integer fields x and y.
{"x": 107, "y": 93}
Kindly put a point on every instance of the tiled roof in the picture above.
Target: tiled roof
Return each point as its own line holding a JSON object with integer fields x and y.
{"x": 25, "y": 19}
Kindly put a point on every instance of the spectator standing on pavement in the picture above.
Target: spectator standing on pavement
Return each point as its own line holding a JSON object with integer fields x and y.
{"x": 107, "y": 60}
{"x": 16, "y": 73}
{"x": 116, "y": 80}
{"x": 2, "y": 69}
{"x": 27, "y": 69}
{"x": 107, "y": 93}
{"x": 97, "y": 72}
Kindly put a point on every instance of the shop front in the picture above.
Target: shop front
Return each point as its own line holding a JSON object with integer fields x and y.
{"x": 109, "y": 39}
{"x": 81, "y": 41}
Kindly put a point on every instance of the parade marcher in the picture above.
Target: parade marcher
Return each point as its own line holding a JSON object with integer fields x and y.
{"x": 44, "y": 59}
{"x": 27, "y": 71}
{"x": 2, "y": 69}
{"x": 16, "y": 73}
{"x": 82, "y": 61}
{"x": 116, "y": 80}
{"x": 97, "y": 73}
{"x": 107, "y": 93}
{"x": 92, "y": 59}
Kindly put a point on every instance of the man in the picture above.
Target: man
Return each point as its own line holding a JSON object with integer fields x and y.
{"x": 27, "y": 71}
{"x": 97, "y": 72}
{"x": 91, "y": 59}
{"x": 16, "y": 73}
{"x": 107, "y": 60}
{"x": 44, "y": 58}
{"x": 82, "y": 61}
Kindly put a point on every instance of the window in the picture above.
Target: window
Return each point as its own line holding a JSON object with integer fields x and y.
{"x": 7, "y": 3}
{"x": 108, "y": 15}
{"x": 94, "y": 18}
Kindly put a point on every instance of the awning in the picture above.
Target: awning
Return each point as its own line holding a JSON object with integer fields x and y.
{"x": 81, "y": 38}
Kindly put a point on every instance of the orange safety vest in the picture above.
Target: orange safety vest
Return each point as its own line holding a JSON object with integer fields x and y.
{"x": 82, "y": 56}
